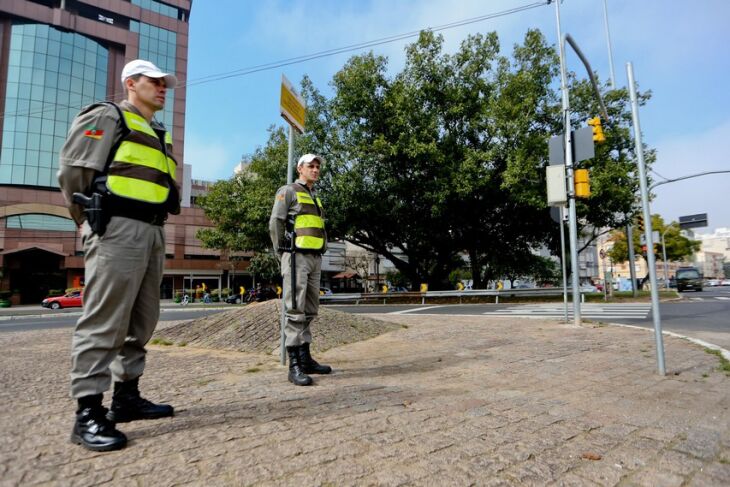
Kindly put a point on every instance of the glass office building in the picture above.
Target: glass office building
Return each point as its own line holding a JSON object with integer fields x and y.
{"x": 57, "y": 56}
{"x": 50, "y": 74}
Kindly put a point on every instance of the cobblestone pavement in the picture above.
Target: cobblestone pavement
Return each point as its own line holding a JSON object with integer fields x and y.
{"x": 441, "y": 401}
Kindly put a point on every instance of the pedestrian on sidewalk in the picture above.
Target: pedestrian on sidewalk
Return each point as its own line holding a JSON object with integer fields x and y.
{"x": 117, "y": 174}
{"x": 297, "y": 232}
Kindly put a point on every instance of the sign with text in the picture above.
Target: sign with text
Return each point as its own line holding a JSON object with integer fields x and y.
{"x": 292, "y": 106}
{"x": 693, "y": 221}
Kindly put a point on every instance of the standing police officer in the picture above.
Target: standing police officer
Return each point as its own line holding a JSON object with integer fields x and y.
{"x": 117, "y": 174}
{"x": 297, "y": 231}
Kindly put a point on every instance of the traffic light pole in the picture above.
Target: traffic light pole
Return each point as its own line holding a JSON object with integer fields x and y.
{"x": 651, "y": 261}
{"x": 572, "y": 216}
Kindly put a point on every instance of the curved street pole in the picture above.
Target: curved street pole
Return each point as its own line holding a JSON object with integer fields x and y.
{"x": 573, "y": 223}
{"x": 651, "y": 261}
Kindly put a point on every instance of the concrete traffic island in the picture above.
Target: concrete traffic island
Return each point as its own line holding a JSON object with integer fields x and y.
{"x": 256, "y": 328}
{"x": 437, "y": 401}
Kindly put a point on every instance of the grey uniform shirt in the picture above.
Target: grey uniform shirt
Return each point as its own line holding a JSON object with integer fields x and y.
{"x": 91, "y": 138}
{"x": 285, "y": 204}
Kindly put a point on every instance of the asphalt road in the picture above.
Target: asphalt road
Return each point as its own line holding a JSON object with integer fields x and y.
{"x": 703, "y": 315}
{"x": 69, "y": 318}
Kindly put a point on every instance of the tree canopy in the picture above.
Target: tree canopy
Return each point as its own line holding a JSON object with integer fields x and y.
{"x": 441, "y": 159}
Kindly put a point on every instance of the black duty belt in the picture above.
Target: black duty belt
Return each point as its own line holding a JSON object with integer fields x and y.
{"x": 151, "y": 217}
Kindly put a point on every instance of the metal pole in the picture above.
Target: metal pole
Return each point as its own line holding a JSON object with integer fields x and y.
{"x": 632, "y": 257}
{"x": 289, "y": 180}
{"x": 664, "y": 257}
{"x": 608, "y": 42}
{"x": 639, "y": 148}
{"x": 562, "y": 262}
{"x": 573, "y": 220}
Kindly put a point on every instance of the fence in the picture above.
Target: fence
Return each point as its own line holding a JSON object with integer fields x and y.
{"x": 411, "y": 297}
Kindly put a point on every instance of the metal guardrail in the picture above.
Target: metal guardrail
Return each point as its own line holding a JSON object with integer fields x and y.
{"x": 384, "y": 297}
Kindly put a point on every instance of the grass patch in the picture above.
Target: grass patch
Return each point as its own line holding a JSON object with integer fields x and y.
{"x": 253, "y": 370}
{"x": 404, "y": 326}
{"x": 182, "y": 344}
{"x": 705, "y": 375}
{"x": 724, "y": 363}
{"x": 203, "y": 382}
{"x": 724, "y": 461}
{"x": 161, "y": 341}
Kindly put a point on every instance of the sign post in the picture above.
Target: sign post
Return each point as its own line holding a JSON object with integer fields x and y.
{"x": 293, "y": 109}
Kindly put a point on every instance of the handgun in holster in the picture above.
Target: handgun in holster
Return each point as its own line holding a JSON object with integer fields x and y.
{"x": 287, "y": 244}
{"x": 94, "y": 210}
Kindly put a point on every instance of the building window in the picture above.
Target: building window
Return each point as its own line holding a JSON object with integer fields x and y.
{"x": 158, "y": 46}
{"x": 158, "y": 7}
{"x": 51, "y": 75}
{"x": 40, "y": 222}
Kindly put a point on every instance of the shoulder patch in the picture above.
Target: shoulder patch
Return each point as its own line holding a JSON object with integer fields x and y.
{"x": 280, "y": 197}
{"x": 93, "y": 133}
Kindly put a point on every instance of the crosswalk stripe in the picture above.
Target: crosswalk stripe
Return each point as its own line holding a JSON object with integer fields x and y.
{"x": 635, "y": 311}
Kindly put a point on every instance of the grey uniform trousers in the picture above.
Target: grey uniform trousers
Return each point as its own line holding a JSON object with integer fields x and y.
{"x": 121, "y": 304}
{"x": 308, "y": 271}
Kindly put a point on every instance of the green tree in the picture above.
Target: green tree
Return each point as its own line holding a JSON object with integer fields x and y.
{"x": 265, "y": 266}
{"x": 240, "y": 207}
{"x": 448, "y": 156}
{"x": 442, "y": 159}
{"x": 679, "y": 247}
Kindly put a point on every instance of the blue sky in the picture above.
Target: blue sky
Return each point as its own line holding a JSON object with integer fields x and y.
{"x": 678, "y": 50}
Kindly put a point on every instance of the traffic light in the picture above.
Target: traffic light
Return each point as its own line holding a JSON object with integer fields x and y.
{"x": 595, "y": 123}
{"x": 640, "y": 223}
{"x": 582, "y": 184}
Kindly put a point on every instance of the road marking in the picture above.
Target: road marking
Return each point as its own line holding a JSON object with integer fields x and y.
{"x": 722, "y": 297}
{"x": 414, "y": 310}
{"x": 635, "y": 311}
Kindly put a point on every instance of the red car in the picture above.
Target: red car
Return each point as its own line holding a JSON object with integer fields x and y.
{"x": 69, "y": 300}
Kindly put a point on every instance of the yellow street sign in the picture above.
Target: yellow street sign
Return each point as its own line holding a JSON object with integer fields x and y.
{"x": 424, "y": 287}
{"x": 292, "y": 106}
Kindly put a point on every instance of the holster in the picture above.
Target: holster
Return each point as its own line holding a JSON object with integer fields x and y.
{"x": 94, "y": 210}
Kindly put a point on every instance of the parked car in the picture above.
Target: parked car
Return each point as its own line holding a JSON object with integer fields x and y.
{"x": 234, "y": 299}
{"x": 725, "y": 282}
{"x": 713, "y": 282}
{"x": 588, "y": 288}
{"x": 69, "y": 300}
{"x": 689, "y": 278}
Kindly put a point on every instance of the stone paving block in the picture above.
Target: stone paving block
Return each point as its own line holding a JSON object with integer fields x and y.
{"x": 702, "y": 443}
{"x": 425, "y": 405}
{"x": 652, "y": 477}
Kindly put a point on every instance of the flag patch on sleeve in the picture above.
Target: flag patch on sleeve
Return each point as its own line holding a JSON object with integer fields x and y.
{"x": 94, "y": 133}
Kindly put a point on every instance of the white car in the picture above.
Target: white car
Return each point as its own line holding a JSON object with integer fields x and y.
{"x": 588, "y": 288}
{"x": 725, "y": 282}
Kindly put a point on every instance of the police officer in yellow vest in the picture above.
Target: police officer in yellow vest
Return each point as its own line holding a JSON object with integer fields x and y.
{"x": 118, "y": 163}
{"x": 298, "y": 213}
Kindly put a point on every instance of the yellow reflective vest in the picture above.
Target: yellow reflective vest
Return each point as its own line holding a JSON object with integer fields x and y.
{"x": 142, "y": 168}
{"x": 308, "y": 222}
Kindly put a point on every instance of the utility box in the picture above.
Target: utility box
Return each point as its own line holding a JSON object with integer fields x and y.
{"x": 555, "y": 178}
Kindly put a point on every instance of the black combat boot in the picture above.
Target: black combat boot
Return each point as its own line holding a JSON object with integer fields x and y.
{"x": 128, "y": 405}
{"x": 92, "y": 429}
{"x": 309, "y": 365}
{"x": 296, "y": 374}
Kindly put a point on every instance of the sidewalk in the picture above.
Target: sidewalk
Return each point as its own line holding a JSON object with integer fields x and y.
{"x": 468, "y": 401}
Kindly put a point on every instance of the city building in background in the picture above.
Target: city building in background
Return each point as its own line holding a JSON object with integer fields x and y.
{"x": 57, "y": 56}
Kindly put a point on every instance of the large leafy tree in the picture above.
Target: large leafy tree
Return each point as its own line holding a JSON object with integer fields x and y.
{"x": 444, "y": 158}
{"x": 448, "y": 155}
